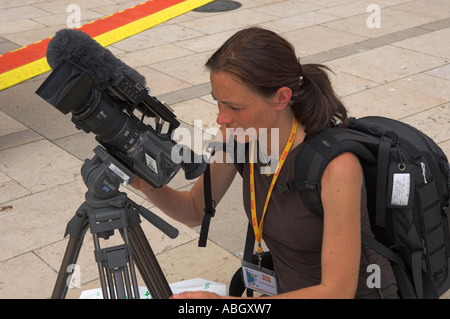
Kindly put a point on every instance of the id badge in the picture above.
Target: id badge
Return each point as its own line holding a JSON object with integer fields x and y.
{"x": 259, "y": 279}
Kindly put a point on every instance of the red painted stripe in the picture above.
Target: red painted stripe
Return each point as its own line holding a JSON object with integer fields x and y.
{"x": 14, "y": 59}
{"x": 129, "y": 15}
{"x": 35, "y": 51}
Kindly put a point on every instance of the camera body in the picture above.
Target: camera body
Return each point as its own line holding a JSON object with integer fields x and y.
{"x": 109, "y": 114}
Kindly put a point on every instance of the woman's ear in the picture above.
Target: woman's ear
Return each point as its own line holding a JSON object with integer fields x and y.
{"x": 283, "y": 97}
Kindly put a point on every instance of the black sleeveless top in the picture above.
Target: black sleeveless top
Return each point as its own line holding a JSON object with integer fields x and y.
{"x": 294, "y": 235}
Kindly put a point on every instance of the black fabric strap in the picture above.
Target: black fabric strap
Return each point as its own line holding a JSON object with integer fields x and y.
{"x": 378, "y": 247}
{"x": 422, "y": 286}
{"x": 249, "y": 243}
{"x": 210, "y": 208}
{"x": 382, "y": 177}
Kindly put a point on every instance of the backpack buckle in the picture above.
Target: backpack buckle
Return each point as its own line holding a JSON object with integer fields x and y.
{"x": 283, "y": 188}
{"x": 299, "y": 186}
{"x": 211, "y": 211}
{"x": 312, "y": 186}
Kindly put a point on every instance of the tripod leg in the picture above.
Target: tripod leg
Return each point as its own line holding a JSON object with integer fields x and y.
{"x": 132, "y": 269}
{"x": 116, "y": 269}
{"x": 100, "y": 271}
{"x": 148, "y": 265}
{"x": 76, "y": 228}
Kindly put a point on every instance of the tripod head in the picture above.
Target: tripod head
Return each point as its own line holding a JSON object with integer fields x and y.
{"x": 103, "y": 175}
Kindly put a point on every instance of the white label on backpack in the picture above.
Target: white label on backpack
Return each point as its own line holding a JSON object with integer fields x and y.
{"x": 400, "y": 189}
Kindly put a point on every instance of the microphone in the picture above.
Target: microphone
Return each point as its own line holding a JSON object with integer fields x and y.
{"x": 79, "y": 48}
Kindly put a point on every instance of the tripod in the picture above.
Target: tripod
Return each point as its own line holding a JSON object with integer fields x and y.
{"x": 104, "y": 211}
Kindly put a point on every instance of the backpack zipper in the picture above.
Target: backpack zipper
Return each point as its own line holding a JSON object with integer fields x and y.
{"x": 422, "y": 165}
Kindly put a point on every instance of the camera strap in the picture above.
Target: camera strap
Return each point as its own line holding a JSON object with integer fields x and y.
{"x": 210, "y": 207}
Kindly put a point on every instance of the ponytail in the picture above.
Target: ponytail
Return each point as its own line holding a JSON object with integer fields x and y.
{"x": 315, "y": 104}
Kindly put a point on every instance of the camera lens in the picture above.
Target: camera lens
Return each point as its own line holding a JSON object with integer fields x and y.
{"x": 102, "y": 116}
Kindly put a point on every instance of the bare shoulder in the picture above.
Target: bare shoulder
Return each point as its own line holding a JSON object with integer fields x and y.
{"x": 344, "y": 165}
{"x": 342, "y": 175}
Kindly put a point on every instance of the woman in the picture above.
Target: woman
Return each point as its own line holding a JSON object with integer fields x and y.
{"x": 259, "y": 84}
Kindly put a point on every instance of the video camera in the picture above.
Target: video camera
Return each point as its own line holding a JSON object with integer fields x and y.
{"x": 109, "y": 114}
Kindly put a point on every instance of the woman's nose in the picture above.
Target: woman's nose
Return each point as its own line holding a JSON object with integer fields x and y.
{"x": 223, "y": 118}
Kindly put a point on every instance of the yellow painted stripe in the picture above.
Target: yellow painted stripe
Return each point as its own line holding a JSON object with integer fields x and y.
{"x": 23, "y": 73}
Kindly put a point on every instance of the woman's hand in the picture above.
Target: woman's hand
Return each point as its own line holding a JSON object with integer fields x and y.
{"x": 139, "y": 184}
{"x": 196, "y": 295}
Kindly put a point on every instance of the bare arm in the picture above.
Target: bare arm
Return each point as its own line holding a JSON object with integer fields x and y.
{"x": 187, "y": 206}
{"x": 341, "y": 248}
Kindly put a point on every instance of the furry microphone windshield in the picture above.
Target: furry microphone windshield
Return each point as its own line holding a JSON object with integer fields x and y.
{"x": 79, "y": 48}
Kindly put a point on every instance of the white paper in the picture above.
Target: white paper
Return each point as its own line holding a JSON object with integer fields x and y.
{"x": 196, "y": 284}
{"x": 400, "y": 189}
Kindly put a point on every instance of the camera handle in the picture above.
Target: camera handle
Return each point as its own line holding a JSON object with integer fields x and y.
{"x": 104, "y": 211}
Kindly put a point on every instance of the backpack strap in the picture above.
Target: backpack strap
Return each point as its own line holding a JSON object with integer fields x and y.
{"x": 316, "y": 154}
{"x": 318, "y": 151}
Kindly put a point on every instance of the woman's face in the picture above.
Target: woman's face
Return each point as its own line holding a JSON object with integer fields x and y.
{"x": 242, "y": 111}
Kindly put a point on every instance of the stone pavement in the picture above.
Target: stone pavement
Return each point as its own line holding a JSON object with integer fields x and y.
{"x": 400, "y": 69}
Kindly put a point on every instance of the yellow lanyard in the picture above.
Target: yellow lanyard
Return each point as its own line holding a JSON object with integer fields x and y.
{"x": 258, "y": 229}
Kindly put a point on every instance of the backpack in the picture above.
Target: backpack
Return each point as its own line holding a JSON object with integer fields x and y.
{"x": 408, "y": 188}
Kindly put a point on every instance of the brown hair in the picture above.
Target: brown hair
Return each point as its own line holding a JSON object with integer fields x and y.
{"x": 265, "y": 62}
